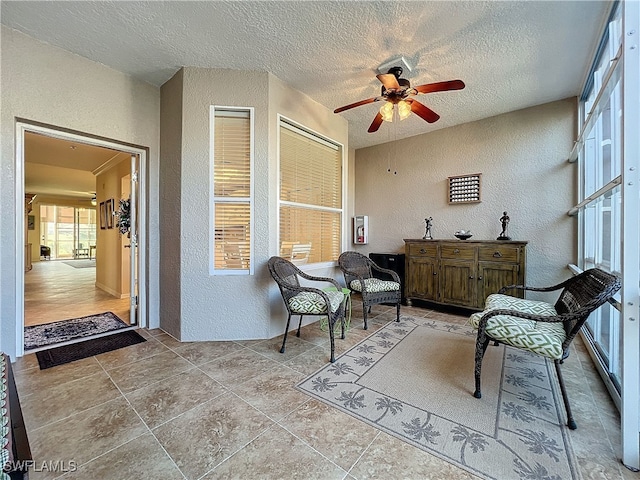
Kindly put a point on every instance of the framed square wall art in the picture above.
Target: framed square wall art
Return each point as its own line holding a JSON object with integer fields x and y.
{"x": 464, "y": 188}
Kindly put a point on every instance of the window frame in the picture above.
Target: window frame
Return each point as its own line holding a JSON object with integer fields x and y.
{"x": 343, "y": 179}
{"x": 213, "y": 200}
{"x": 600, "y": 97}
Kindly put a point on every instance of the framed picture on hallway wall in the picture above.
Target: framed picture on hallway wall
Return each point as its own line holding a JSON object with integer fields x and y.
{"x": 103, "y": 215}
{"x": 110, "y": 210}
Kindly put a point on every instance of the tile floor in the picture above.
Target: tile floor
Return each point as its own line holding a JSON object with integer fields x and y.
{"x": 56, "y": 291}
{"x": 224, "y": 410}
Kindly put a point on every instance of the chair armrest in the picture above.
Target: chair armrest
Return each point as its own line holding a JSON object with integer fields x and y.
{"x": 352, "y": 273}
{"x": 533, "y": 289}
{"x": 394, "y": 275}
{"x": 536, "y": 289}
{"x": 313, "y": 278}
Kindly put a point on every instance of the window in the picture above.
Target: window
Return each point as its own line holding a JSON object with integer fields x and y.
{"x": 600, "y": 207}
{"x": 310, "y": 194}
{"x": 232, "y": 166}
{"x": 64, "y": 229}
{"x": 608, "y": 153}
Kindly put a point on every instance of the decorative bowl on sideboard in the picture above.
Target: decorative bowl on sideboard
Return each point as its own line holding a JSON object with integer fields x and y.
{"x": 463, "y": 234}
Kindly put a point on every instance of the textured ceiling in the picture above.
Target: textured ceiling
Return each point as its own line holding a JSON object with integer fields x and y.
{"x": 511, "y": 55}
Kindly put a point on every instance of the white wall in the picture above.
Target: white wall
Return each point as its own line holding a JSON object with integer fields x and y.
{"x": 45, "y": 84}
{"x": 522, "y": 156}
{"x": 220, "y": 307}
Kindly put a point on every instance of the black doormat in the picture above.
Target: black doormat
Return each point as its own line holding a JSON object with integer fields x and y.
{"x": 77, "y": 351}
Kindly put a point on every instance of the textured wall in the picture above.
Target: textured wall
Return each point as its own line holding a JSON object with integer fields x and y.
{"x": 220, "y": 307}
{"x": 170, "y": 202}
{"x": 49, "y": 85}
{"x": 522, "y": 157}
{"x": 236, "y": 306}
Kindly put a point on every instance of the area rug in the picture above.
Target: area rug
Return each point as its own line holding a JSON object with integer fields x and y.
{"x": 82, "y": 263}
{"x": 57, "y": 332}
{"x": 88, "y": 348}
{"x": 414, "y": 380}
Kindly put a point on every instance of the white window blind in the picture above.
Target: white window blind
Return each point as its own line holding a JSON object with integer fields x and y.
{"x": 310, "y": 193}
{"x": 232, "y": 179}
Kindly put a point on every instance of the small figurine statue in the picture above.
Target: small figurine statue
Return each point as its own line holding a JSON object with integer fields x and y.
{"x": 427, "y": 233}
{"x": 505, "y": 223}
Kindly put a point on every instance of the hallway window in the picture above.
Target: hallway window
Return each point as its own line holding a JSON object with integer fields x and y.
{"x": 310, "y": 194}
{"x": 232, "y": 166}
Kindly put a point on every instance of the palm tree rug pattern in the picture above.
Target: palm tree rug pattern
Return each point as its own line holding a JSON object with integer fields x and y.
{"x": 414, "y": 380}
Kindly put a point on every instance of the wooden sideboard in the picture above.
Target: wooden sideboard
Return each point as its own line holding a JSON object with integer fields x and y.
{"x": 462, "y": 272}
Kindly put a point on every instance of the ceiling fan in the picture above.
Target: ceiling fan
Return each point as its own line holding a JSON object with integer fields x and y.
{"x": 398, "y": 91}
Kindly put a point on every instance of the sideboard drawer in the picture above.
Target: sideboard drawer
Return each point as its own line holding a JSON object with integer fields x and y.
{"x": 463, "y": 252}
{"x": 423, "y": 250}
{"x": 500, "y": 253}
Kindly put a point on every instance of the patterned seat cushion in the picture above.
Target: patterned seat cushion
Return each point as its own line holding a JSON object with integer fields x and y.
{"x": 375, "y": 285}
{"x": 310, "y": 303}
{"x": 539, "y": 337}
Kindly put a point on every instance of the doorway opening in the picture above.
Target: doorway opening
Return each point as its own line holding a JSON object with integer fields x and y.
{"x": 77, "y": 261}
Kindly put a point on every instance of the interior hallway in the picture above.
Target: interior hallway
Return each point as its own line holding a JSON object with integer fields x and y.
{"x": 209, "y": 410}
{"x": 56, "y": 291}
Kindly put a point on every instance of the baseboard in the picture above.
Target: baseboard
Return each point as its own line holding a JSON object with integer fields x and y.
{"x": 111, "y": 291}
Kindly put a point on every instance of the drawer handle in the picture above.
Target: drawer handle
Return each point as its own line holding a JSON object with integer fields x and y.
{"x": 456, "y": 251}
{"x": 479, "y": 278}
{"x": 435, "y": 273}
{"x": 497, "y": 254}
{"x": 422, "y": 250}
{"x": 470, "y": 277}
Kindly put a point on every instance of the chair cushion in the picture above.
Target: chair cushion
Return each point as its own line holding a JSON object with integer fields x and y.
{"x": 538, "y": 337}
{"x": 311, "y": 303}
{"x": 375, "y": 285}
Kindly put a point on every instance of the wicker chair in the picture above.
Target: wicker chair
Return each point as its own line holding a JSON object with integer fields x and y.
{"x": 359, "y": 276}
{"x": 307, "y": 300}
{"x": 540, "y": 327}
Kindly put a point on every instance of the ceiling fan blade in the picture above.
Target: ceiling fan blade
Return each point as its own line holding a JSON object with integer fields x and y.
{"x": 424, "y": 112}
{"x": 357, "y": 104}
{"x": 375, "y": 125}
{"x": 389, "y": 81}
{"x": 440, "y": 86}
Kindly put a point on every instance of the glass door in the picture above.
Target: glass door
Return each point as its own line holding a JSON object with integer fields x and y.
{"x": 68, "y": 231}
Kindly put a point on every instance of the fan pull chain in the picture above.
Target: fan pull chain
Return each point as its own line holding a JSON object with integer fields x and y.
{"x": 389, "y": 149}
{"x": 396, "y": 119}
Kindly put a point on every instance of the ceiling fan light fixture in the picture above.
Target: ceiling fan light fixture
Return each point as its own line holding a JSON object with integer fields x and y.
{"x": 404, "y": 109}
{"x": 387, "y": 111}
{"x": 94, "y": 201}
{"x": 397, "y": 90}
